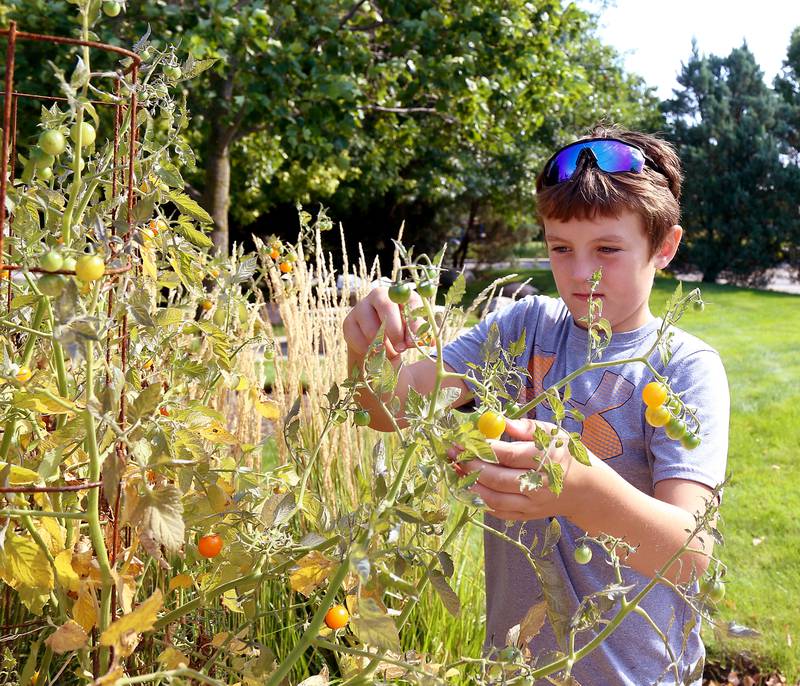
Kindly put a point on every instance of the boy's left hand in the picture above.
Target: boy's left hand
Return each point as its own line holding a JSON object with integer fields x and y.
{"x": 499, "y": 485}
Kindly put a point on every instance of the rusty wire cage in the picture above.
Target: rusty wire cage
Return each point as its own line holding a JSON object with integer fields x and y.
{"x": 124, "y": 88}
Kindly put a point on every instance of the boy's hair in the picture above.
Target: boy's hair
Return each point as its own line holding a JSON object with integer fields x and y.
{"x": 592, "y": 192}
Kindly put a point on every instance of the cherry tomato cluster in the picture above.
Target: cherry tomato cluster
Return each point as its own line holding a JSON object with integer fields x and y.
{"x": 283, "y": 257}
{"x": 400, "y": 292}
{"x": 662, "y": 411}
{"x": 88, "y": 267}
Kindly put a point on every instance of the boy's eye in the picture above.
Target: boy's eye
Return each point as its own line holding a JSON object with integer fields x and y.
{"x": 609, "y": 250}
{"x": 559, "y": 248}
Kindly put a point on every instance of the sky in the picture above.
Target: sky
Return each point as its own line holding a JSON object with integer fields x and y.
{"x": 655, "y": 36}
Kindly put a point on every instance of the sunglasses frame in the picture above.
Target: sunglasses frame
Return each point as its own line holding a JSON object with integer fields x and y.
{"x": 647, "y": 162}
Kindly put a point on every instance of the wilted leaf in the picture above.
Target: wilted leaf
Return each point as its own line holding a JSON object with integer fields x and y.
{"x": 140, "y": 620}
{"x": 172, "y": 658}
{"x": 180, "y": 581}
{"x": 40, "y": 402}
{"x": 159, "y": 513}
{"x": 24, "y": 565}
{"x": 67, "y": 637}
{"x": 311, "y": 571}
{"x": 375, "y": 628}
{"x": 532, "y": 623}
{"x": 320, "y": 679}
{"x": 86, "y": 609}
{"x": 65, "y": 574}
{"x": 449, "y": 598}
{"x": 277, "y": 509}
{"x": 217, "y": 433}
{"x": 19, "y": 476}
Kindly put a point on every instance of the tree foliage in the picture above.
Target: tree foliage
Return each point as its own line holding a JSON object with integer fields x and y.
{"x": 384, "y": 110}
{"x": 742, "y": 180}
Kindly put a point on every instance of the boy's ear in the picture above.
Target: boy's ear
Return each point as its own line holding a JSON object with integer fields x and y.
{"x": 669, "y": 246}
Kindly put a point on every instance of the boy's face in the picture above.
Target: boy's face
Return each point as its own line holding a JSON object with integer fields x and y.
{"x": 579, "y": 247}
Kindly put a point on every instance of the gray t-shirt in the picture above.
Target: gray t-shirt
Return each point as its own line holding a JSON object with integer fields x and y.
{"x": 615, "y": 430}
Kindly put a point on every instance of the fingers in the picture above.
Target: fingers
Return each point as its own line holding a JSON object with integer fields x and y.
{"x": 496, "y": 477}
{"x": 518, "y": 454}
{"x": 507, "y": 505}
{"x": 522, "y": 429}
{"x": 365, "y": 319}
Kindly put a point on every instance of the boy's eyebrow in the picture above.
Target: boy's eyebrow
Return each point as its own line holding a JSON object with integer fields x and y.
{"x": 609, "y": 238}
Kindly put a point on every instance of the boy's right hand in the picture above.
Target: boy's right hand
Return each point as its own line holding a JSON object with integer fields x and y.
{"x": 365, "y": 319}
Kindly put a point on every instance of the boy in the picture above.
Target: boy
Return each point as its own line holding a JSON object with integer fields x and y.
{"x": 609, "y": 200}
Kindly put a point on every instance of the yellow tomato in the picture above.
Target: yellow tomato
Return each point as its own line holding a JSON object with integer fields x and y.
{"x": 654, "y": 394}
{"x": 491, "y": 424}
{"x": 23, "y": 374}
{"x": 89, "y": 268}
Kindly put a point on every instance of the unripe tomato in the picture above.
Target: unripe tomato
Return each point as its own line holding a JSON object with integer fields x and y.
{"x": 23, "y": 374}
{"x": 88, "y": 134}
{"x": 42, "y": 159}
{"x": 51, "y": 261}
{"x": 675, "y": 428}
{"x": 285, "y": 267}
{"x": 427, "y": 289}
{"x": 337, "y": 617}
{"x": 698, "y": 306}
{"x": 690, "y": 440}
{"x": 583, "y": 554}
{"x": 491, "y": 424}
{"x": 173, "y": 73}
{"x": 69, "y": 264}
{"x": 111, "y": 9}
{"x": 361, "y": 418}
{"x": 400, "y": 293}
{"x": 52, "y": 142}
{"x": 51, "y": 285}
{"x": 654, "y": 394}
{"x": 210, "y": 545}
{"x": 89, "y": 267}
{"x": 657, "y": 416}
{"x": 45, "y": 174}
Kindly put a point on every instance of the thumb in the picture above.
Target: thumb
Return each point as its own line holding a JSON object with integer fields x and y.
{"x": 520, "y": 429}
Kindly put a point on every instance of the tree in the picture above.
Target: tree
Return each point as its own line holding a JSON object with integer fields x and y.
{"x": 739, "y": 201}
{"x": 381, "y": 109}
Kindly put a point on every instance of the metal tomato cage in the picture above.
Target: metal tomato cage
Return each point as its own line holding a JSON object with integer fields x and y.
{"x": 122, "y": 178}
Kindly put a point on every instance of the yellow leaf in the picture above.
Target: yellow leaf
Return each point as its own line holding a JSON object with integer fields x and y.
{"x": 19, "y": 476}
{"x": 65, "y": 573}
{"x": 126, "y": 591}
{"x": 67, "y": 638}
{"x": 24, "y": 564}
{"x": 85, "y": 611}
{"x": 53, "y": 534}
{"x": 40, "y": 402}
{"x": 138, "y": 621}
{"x": 180, "y": 581}
{"x": 148, "y": 259}
{"x": 172, "y": 658}
{"x": 217, "y": 433}
{"x": 311, "y": 571}
{"x": 111, "y": 678}
{"x": 230, "y": 599}
{"x": 217, "y": 498}
{"x": 268, "y": 409}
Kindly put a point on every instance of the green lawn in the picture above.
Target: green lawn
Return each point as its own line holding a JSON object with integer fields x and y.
{"x": 756, "y": 332}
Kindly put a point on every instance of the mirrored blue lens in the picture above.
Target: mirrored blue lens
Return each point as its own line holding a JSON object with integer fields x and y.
{"x": 610, "y": 156}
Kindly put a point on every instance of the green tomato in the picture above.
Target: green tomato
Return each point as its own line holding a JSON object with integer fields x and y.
{"x": 51, "y": 261}
{"x": 583, "y": 554}
{"x": 52, "y": 142}
{"x": 45, "y": 174}
{"x": 400, "y": 293}
{"x": 88, "y": 134}
{"x": 427, "y": 289}
{"x": 51, "y": 285}
{"x": 690, "y": 440}
{"x": 69, "y": 264}
{"x": 111, "y": 9}
{"x": 172, "y": 73}
{"x": 698, "y": 305}
{"x": 41, "y": 158}
{"x": 675, "y": 428}
{"x": 361, "y": 418}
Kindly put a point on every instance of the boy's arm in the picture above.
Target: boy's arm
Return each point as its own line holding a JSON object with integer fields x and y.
{"x": 361, "y": 327}
{"x": 598, "y": 500}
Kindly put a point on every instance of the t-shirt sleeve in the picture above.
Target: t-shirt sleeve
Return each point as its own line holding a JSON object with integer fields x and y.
{"x": 510, "y": 321}
{"x": 702, "y": 384}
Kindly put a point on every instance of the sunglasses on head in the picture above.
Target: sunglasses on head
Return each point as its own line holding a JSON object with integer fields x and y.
{"x": 609, "y": 155}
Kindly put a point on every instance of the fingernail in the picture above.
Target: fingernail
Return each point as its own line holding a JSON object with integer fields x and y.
{"x": 400, "y": 347}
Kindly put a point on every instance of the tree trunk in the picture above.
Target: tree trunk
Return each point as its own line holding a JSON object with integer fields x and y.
{"x": 216, "y": 196}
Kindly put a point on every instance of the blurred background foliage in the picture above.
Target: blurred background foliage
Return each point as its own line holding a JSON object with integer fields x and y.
{"x": 440, "y": 115}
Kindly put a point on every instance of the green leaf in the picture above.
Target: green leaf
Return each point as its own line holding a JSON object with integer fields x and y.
{"x": 188, "y": 206}
{"x": 183, "y": 227}
{"x": 456, "y": 292}
{"x": 146, "y": 403}
{"x": 555, "y": 476}
{"x": 578, "y": 450}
